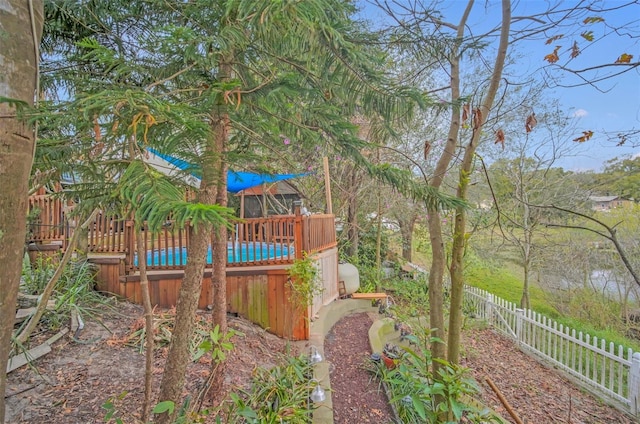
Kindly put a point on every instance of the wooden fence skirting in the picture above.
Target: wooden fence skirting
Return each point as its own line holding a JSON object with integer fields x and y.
{"x": 259, "y": 294}
{"x": 612, "y": 372}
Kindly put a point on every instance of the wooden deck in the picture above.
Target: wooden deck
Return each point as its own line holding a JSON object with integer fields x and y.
{"x": 257, "y": 285}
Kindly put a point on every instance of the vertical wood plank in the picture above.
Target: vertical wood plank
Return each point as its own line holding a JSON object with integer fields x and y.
{"x": 271, "y": 303}
{"x": 280, "y": 306}
{"x": 264, "y": 303}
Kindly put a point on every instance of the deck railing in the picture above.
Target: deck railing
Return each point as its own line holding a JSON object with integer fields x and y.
{"x": 318, "y": 232}
{"x": 49, "y": 224}
{"x": 253, "y": 241}
{"x": 107, "y": 234}
{"x": 263, "y": 241}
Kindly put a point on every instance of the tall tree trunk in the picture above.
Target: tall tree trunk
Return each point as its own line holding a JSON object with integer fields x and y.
{"x": 436, "y": 296}
{"x": 213, "y": 187}
{"x": 352, "y": 215}
{"x": 406, "y": 232}
{"x": 148, "y": 324}
{"x": 179, "y": 356}
{"x": 219, "y": 275}
{"x": 459, "y": 233}
{"x": 438, "y": 257}
{"x": 20, "y": 31}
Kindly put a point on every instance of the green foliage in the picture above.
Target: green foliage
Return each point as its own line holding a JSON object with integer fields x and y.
{"x": 365, "y": 260}
{"x": 368, "y": 244}
{"x": 414, "y": 390}
{"x": 19, "y": 105}
{"x": 303, "y": 281}
{"x": 280, "y": 394}
{"x": 502, "y": 283}
{"x": 35, "y": 278}
{"x": 112, "y": 411}
{"x": 218, "y": 344}
{"x": 411, "y": 295}
{"x": 599, "y": 311}
{"x": 621, "y": 177}
{"x": 162, "y": 407}
{"x": 74, "y": 290}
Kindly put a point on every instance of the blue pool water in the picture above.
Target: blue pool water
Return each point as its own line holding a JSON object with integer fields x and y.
{"x": 243, "y": 253}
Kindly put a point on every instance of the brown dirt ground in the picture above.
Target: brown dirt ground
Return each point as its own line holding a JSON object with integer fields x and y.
{"x": 69, "y": 385}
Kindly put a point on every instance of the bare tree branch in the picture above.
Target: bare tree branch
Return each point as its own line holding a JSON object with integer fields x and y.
{"x": 611, "y": 230}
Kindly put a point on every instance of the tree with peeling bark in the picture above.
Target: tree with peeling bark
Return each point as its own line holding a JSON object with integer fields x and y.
{"x": 20, "y": 31}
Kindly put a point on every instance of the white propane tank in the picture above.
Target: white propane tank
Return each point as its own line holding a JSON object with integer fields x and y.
{"x": 351, "y": 277}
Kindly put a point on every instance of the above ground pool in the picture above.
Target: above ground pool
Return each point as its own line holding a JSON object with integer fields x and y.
{"x": 243, "y": 252}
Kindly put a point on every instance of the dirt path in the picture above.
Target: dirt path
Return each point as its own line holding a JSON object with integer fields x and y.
{"x": 356, "y": 397}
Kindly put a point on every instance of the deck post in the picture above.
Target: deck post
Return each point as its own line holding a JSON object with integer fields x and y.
{"x": 129, "y": 243}
{"x": 298, "y": 240}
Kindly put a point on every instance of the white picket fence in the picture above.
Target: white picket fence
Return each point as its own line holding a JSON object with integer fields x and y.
{"x": 610, "y": 371}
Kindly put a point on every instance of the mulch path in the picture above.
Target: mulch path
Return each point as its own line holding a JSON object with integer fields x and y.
{"x": 356, "y": 397}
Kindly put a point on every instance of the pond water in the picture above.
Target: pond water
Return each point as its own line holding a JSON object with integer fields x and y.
{"x": 608, "y": 283}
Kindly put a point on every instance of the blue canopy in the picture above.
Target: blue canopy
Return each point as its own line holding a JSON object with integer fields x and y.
{"x": 236, "y": 181}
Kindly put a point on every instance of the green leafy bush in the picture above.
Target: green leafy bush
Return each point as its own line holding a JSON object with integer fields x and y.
{"x": 73, "y": 291}
{"x": 280, "y": 394}
{"x": 418, "y": 397}
{"x": 303, "y": 279}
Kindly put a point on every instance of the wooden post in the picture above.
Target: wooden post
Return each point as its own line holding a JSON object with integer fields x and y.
{"x": 298, "y": 239}
{"x": 129, "y": 242}
{"x": 327, "y": 185}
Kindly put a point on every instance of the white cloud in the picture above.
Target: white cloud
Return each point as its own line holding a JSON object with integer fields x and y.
{"x": 580, "y": 113}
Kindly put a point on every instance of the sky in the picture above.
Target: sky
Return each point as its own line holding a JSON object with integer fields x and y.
{"x": 612, "y": 107}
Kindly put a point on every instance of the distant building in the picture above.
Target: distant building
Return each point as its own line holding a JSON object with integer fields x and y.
{"x": 606, "y": 203}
